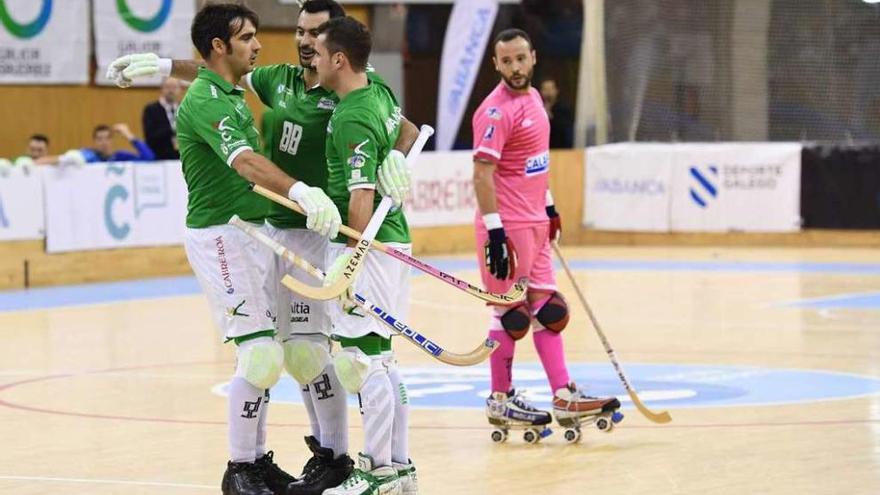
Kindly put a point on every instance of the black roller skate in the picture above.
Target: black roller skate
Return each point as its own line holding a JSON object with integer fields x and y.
{"x": 322, "y": 471}
{"x": 244, "y": 478}
{"x": 512, "y": 411}
{"x": 574, "y": 409}
{"x": 275, "y": 477}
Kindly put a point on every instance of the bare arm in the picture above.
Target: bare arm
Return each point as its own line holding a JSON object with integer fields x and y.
{"x": 186, "y": 70}
{"x": 360, "y": 210}
{"x": 259, "y": 170}
{"x": 484, "y": 186}
{"x": 408, "y": 134}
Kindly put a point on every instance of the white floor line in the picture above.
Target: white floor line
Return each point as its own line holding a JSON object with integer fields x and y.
{"x": 107, "y": 482}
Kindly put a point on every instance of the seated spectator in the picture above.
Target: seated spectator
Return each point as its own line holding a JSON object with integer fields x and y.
{"x": 561, "y": 117}
{"x": 37, "y": 152}
{"x": 103, "y": 146}
{"x": 159, "y": 120}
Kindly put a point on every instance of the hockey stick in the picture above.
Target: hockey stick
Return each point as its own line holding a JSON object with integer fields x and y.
{"x": 351, "y": 270}
{"x": 513, "y": 295}
{"x": 661, "y": 417}
{"x": 476, "y": 356}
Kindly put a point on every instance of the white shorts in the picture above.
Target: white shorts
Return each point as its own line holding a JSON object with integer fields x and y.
{"x": 384, "y": 281}
{"x": 231, "y": 267}
{"x": 295, "y": 313}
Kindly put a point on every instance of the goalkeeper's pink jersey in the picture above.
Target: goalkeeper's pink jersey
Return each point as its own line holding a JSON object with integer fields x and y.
{"x": 512, "y": 130}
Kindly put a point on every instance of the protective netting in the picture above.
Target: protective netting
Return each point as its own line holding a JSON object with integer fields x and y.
{"x": 733, "y": 70}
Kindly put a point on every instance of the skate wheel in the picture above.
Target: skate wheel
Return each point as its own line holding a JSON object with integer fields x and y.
{"x": 531, "y": 436}
{"x": 604, "y": 424}
{"x": 617, "y": 417}
{"x": 499, "y": 436}
{"x": 572, "y": 435}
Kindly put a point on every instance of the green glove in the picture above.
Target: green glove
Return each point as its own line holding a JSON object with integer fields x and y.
{"x": 394, "y": 177}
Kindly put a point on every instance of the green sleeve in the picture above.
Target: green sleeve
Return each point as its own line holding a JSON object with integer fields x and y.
{"x": 265, "y": 80}
{"x": 217, "y": 123}
{"x": 356, "y": 144}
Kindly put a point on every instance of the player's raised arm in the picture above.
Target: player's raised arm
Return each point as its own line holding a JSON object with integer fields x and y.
{"x": 124, "y": 70}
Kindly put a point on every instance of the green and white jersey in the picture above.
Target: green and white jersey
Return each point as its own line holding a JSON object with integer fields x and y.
{"x": 214, "y": 125}
{"x": 360, "y": 134}
{"x": 300, "y": 116}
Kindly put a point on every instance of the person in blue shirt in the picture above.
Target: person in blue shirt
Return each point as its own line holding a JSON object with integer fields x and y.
{"x": 103, "y": 146}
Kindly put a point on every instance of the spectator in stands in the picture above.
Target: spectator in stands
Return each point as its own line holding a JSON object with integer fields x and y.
{"x": 561, "y": 117}
{"x": 103, "y": 146}
{"x": 37, "y": 152}
{"x": 159, "y": 121}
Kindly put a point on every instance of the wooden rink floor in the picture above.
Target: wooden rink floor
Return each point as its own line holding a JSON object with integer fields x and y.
{"x": 118, "y": 398}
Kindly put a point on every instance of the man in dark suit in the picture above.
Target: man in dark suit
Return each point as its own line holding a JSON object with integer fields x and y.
{"x": 159, "y": 121}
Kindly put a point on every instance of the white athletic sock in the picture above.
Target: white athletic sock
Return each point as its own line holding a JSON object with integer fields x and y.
{"x": 310, "y": 410}
{"x": 400, "y": 431}
{"x": 329, "y": 399}
{"x": 262, "y": 426}
{"x": 245, "y": 403}
{"x": 377, "y": 409}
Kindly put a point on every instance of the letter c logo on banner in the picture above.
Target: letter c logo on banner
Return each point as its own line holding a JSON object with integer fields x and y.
{"x": 116, "y": 192}
{"x": 29, "y": 30}
{"x": 144, "y": 25}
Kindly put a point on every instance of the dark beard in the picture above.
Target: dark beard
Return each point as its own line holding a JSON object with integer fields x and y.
{"x": 309, "y": 65}
{"x": 527, "y": 81}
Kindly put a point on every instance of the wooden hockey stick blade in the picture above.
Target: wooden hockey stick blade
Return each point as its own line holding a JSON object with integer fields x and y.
{"x": 476, "y": 356}
{"x": 351, "y": 270}
{"x": 515, "y": 293}
{"x": 661, "y": 417}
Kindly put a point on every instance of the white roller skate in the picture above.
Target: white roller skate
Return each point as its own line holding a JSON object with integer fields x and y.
{"x": 573, "y": 409}
{"x": 512, "y": 411}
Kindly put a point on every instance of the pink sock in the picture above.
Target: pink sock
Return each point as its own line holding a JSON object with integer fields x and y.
{"x": 549, "y": 346}
{"x": 501, "y": 361}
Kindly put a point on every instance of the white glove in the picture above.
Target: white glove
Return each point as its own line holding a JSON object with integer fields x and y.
{"x": 394, "y": 177}
{"x": 127, "y": 68}
{"x": 5, "y": 167}
{"x": 322, "y": 216}
{"x": 72, "y": 158}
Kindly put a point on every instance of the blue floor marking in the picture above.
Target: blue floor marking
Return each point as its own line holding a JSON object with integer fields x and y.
{"x": 661, "y": 386}
{"x": 869, "y": 300}
{"x": 73, "y": 295}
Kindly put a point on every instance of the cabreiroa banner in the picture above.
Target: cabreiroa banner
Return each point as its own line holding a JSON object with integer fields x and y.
{"x": 123, "y": 27}
{"x": 44, "y": 42}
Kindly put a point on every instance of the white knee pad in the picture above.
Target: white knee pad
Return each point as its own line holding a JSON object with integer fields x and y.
{"x": 260, "y": 362}
{"x": 305, "y": 357}
{"x": 353, "y": 368}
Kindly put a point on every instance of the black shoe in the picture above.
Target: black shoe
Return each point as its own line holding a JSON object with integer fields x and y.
{"x": 322, "y": 471}
{"x": 275, "y": 477}
{"x": 244, "y": 478}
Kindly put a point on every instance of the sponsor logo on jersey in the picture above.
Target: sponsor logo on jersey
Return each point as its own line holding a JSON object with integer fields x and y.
{"x": 527, "y": 123}
{"x": 393, "y": 121}
{"x": 213, "y": 91}
{"x": 224, "y": 266}
{"x": 538, "y": 164}
{"x": 489, "y": 134}
{"x": 493, "y": 113}
{"x": 326, "y": 104}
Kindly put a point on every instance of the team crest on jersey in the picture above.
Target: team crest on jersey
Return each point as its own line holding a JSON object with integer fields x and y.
{"x": 326, "y": 104}
{"x": 538, "y": 164}
{"x": 489, "y": 134}
{"x": 493, "y": 113}
{"x": 357, "y": 161}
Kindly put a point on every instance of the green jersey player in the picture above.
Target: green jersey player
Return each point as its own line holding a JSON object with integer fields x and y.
{"x": 301, "y": 109}
{"x": 360, "y": 135}
{"x": 217, "y": 139}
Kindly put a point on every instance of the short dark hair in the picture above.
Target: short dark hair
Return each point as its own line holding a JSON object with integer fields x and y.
{"x": 509, "y": 34}
{"x": 39, "y": 137}
{"x": 347, "y": 35}
{"x": 331, "y": 6}
{"x": 100, "y": 128}
{"x": 219, "y": 20}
